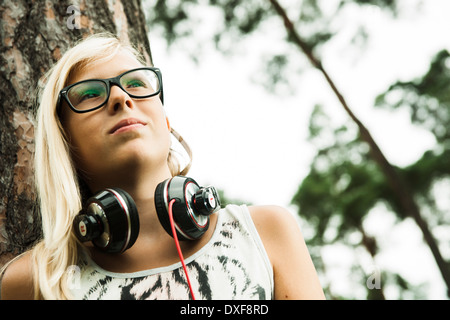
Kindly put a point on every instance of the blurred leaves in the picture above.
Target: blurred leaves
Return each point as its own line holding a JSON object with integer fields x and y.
{"x": 235, "y": 20}
{"x": 170, "y": 15}
{"x": 344, "y": 184}
{"x": 243, "y": 16}
{"x": 388, "y": 5}
{"x": 427, "y": 98}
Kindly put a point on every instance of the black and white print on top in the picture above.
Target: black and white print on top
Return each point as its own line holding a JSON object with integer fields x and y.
{"x": 232, "y": 265}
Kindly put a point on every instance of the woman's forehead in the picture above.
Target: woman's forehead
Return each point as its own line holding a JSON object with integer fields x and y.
{"x": 110, "y": 67}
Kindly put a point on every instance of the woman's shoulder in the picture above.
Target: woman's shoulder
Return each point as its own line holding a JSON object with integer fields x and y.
{"x": 17, "y": 281}
{"x": 294, "y": 273}
{"x": 266, "y": 218}
{"x": 276, "y": 226}
{"x": 272, "y": 218}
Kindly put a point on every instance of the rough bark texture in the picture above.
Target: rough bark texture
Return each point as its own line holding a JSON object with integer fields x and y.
{"x": 33, "y": 36}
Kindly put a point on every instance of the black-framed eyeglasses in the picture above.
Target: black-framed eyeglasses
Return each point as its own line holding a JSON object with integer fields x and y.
{"x": 92, "y": 94}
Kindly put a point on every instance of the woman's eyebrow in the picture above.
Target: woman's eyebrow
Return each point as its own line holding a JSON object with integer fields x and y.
{"x": 115, "y": 74}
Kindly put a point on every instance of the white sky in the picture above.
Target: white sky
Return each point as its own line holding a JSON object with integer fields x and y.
{"x": 253, "y": 144}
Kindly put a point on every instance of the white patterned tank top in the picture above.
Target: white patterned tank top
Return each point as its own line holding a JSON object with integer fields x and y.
{"x": 232, "y": 265}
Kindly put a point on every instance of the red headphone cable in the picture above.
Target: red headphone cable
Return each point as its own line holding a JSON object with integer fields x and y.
{"x": 177, "y": 244}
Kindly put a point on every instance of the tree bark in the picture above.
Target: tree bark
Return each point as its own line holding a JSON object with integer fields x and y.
{"x": 33, "y": 36}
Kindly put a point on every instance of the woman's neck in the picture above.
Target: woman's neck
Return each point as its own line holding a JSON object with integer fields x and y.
{"x": 141, "y": 187}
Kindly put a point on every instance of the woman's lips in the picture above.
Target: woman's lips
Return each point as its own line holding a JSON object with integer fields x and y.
{"x": 126, "y": 125}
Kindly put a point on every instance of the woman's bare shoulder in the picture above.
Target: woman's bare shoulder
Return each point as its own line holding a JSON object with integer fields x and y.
{"x": 270, "y": 218}
{"x": 17, "y": 280}
{"x": 294, "y": 273}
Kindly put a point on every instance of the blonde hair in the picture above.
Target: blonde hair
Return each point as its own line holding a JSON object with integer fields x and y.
{"x": 57, "y": 182}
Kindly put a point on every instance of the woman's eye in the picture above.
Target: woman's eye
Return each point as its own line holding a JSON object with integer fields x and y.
{"x": 135, "y": 84}
{"x": 88, "y": 95}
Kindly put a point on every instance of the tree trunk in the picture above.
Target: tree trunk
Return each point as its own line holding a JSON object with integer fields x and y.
{"x": 34, "y": 35}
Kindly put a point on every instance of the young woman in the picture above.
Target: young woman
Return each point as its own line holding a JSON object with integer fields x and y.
{"x": 93, "y": 135}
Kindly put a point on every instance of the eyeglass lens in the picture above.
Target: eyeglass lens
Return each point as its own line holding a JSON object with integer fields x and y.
{"x": 91, "y": 94}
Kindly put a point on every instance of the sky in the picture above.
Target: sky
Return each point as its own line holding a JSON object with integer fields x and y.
{"x": 254, "y": 145}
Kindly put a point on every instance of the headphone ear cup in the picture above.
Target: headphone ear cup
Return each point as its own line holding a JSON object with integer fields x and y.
{"x": 117, "y": 212}
{"x": 189, "y": 224}
{"x": 132, "y": 218}
{"x": 161, "y": 207}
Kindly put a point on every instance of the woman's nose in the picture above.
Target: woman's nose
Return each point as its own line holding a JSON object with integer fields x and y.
{"x": 118, "y": 99}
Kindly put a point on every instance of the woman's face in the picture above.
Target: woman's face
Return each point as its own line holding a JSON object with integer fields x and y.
{"x": 123, "y": 136}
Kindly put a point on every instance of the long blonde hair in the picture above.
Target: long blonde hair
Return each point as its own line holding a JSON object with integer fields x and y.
{"x": 57, "y": 182}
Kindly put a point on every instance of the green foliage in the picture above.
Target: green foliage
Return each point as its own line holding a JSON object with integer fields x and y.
{"x": 390, "y": 5}
{"x": 179, "y": 19}
{"x": 427, "y": 98}
{"x": 344, "y": 184}
{"x": 169, "y": 15}
{"x": 431, "y": 167}
{"x": 243, "y": 16}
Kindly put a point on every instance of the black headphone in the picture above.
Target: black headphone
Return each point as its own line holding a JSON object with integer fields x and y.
{"x": 111, "y": 221}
